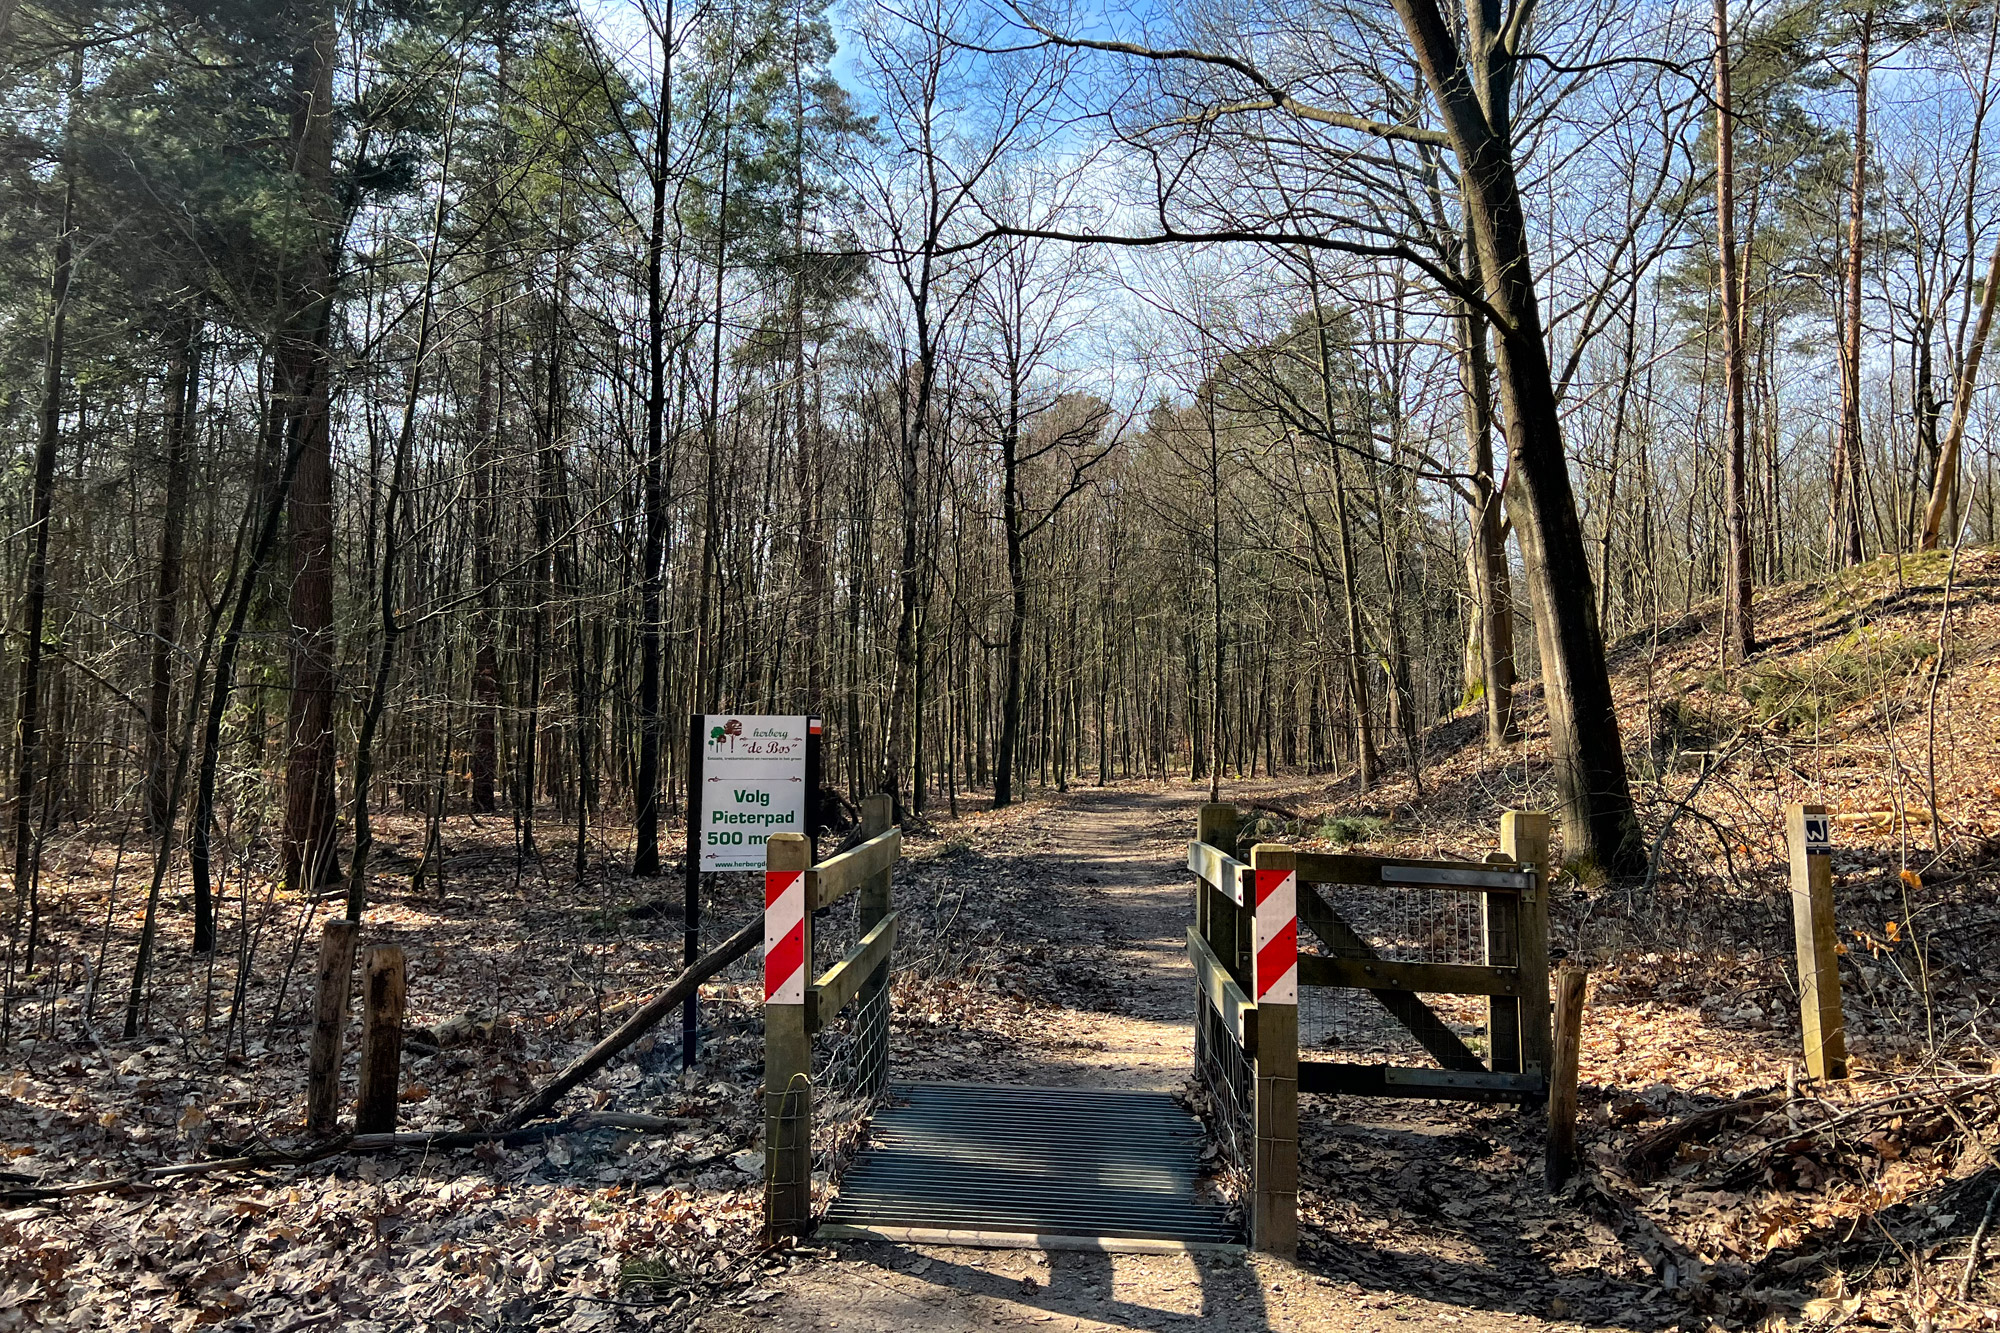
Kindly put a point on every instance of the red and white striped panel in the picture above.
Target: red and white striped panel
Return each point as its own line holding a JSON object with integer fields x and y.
{"x": 784, "y": 937}
{"x": 1277, "y": 937}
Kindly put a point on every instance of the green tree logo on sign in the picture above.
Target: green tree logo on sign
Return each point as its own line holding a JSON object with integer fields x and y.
{"x": 728, "y": 731}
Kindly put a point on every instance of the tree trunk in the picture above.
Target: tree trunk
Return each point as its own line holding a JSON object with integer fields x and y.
{"x": 182, "y": 392}
{"x": 35, "y": 614}
{"x": 1843, "y": 527}
{"x": 1389, "y": 503}
{"x": 385, "y": 586}
{"x": 1215, "y": 692}
{"x": 1017, "y": 597}
{"x": 303, "y": 353}
{"x": 913, "y": 423}
{"x": 1491, "y": 649}
{"x": 1597, "y": 815}
{"x": 1357, "y": 672}
{"x": 1944, "y": 486}
{"x": 1738, "y": 632}
{"x": 707, "y": 685}
{"x": 903, "y": 686}
{"x": 202, "y": 825}
{"x": 485, "y": 759}
{"x": 485, "y": 654}
{"x": 652, "y": 560}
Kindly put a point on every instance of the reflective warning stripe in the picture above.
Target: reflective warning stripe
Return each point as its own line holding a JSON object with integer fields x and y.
{"x": 784, "y": 937}
{"x": 1277, "y": 937}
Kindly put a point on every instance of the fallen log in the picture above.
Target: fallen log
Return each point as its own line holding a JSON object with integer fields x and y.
{"x": 447, "y": 1140}
{"x": 439, "y": 1141}
{"x": 543, "y": 1099}
{"x": 1652, "y": 1151}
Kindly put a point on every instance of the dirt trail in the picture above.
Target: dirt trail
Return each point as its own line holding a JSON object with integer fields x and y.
{"x": 1134, "y": 880}
{"x": 1121, "y": 872}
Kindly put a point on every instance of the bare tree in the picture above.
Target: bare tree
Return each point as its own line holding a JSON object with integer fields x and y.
{"x": 1739, "y": 634}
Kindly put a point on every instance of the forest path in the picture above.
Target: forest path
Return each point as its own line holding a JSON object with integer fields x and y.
{"x": 1123, "y": 853}
{"x": 1112, "y": 860}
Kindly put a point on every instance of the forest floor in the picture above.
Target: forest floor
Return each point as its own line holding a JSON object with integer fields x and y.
{"x": 1041, "y": 944}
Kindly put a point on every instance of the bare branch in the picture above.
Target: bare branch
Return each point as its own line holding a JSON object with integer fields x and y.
{"x": 1276, "y": 99}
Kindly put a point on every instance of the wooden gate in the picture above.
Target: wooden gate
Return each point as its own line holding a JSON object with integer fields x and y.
{"x": 1393, "y": 930}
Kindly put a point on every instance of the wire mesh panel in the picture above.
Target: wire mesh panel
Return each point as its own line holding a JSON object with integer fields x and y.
{"x": 836, "y": 930}
{"x": 1355, "y": 1022}
{"x": 1226, "y": 1079}
{"x": 1399, "y": 924}
{"x": 850, "y": 1075}
{"x": 850, "y": 1051}
{"x": 1416, "y": 924}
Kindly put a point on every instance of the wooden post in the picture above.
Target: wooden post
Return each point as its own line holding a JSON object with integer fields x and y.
{"x": 1216, "y": 826}
{"x": 382, "y": 993}
{"x": 1229, "y": 923}
{"x": 1519, "y": 1029}
{"x": 876, "y": 812}
{"x": 1274, "y": 1175}
{"x": 1560, "y": 1163}
{"x": 1810, "y": 834}
{"x": 336, "y": 978}
{"x": 788, "y": 1066}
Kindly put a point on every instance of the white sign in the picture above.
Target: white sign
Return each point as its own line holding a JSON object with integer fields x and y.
{"x": 1819, "y": 835}
{"x": 753, "y": 784}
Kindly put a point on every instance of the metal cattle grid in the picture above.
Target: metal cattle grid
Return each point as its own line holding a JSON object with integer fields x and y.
{"x": 1051, "y": 1167}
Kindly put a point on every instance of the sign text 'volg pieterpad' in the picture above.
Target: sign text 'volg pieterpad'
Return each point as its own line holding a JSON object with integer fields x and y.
{"x": 753, "y": 784}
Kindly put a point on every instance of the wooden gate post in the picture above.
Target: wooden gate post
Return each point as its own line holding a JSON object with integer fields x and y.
{"x": 1560, "y": 1162}
{"x": 1518, "y": 1030}
{"x": 875, "y": 894}
{"x": 788, "y": 955}
{"x": 335, "y": 980}
{"x": 382, "y": 994}
{"x": 1216, "y": 826}
{"x": 1810, "y": 835}
{"x": 1274, "y": 1174}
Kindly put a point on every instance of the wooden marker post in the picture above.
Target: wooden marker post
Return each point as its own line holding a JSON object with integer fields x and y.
{"x": 788, "y": 953}
{"x": 382, "y": 994}
{"x": 1809, "y": 832}
{"x": 335, "y": 979}
{"x": 1560, "y": 1164}
{"x": 1517, "y": 931}
{"x": 1274, "y": 1172}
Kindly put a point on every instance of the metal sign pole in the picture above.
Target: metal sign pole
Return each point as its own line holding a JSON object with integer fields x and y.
{"x": 691, "y": 915}
{"x": 814, "y": 815}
